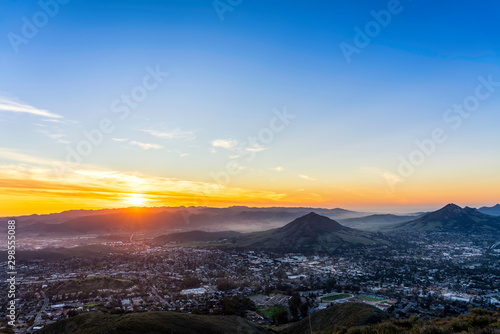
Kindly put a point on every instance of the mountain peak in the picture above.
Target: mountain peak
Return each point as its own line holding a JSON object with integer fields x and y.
{"x": 451, "y": 207}
{"x": 309, "y": 232}
{"x": 452, "y": 218}
{"x": 314, "y": 222}
{"x": 449, "y": 211}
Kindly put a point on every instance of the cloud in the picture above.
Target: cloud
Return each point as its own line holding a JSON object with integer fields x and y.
{"x": 307, "y": 177}
{"x": 391, "y": 178}
{"x": 146, "y": 146}
{"x": 18, "y": 107}
{"x": 225, "y": 143}
{"x": 90, "y": 186}
{"x": 176, "y": 134}
{"x": 14, "y": 155}
{"x": 256, "y": 148}
{"x": 121, "y": 140}
{"x": 58, "y": 137}
{"x": 278, "y": 169}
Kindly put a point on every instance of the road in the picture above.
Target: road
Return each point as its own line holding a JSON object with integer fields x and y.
{"x": 38, "y": 318}
{"x": 155, "y": 292}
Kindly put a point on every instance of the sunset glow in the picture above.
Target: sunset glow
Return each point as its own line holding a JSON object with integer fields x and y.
{"x": 226, "y": 113}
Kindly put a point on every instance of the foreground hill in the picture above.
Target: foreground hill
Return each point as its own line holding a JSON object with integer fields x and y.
{"x": 451, "y": 218}
{"x": 478, "y": 321}
{"x": 342, "y": 318}
{"x": 152, "y": 323}
{"x": 339, "y": 316}
{"x": 311, "y": 232}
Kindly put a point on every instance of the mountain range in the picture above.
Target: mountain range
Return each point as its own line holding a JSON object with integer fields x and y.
{"x": 161, "y": 220}
{"x": 451, "y": 218}
{"x": 132, "y": 220}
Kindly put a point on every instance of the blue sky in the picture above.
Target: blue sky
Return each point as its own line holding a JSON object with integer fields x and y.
{"x": 353, "y": 120}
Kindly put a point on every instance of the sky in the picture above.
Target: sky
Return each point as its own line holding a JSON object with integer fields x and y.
{"x": 366, "y": 105}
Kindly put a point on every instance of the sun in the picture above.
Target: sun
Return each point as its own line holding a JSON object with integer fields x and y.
{"x": 136, "y": 199}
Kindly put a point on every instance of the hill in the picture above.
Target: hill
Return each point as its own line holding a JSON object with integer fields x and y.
{"x": 311, "y": 232}
{"x": 344, "y": 315}
{"x": 492, "y": 210}
{"x": 478, "y": 321}
{"x": 451, "y": 218}
{"x": 193, "y": 236}
{"x": 152, "y": 323}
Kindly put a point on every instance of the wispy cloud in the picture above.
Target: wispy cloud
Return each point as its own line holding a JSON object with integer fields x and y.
{"x": 307, "y": 177}
{"x": 256, "y": 148}
{"x": 89, "y": 186}
{"x": 121, "y": 140}
{"x": 225, "y": 143}
{"x": 391, "y": 178}
{"x": 14, "y": 155}
{"x": 278, "y": 169}
{"x": 146, "y": 146}
{"x": 58, "y": 137}
{"x": 175, "y": 134}
{"x": 9, "y": 105}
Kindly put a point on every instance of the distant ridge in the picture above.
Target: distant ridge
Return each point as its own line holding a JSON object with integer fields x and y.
{"x": 451, "y": 218}
{"x": 374, "y": 222}
{"x": 141, "y": 219}
{"x": 492, "y": 210}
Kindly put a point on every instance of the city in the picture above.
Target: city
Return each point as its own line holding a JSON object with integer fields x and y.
{"x": 436, "y": 275}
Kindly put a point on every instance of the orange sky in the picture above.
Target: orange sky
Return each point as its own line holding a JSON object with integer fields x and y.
{"x": 28, "y": 188}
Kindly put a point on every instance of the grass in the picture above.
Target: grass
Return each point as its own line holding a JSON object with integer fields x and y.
{"x": 151, "y": 323}
{"x": 341, "y": 315}
{"x": 335, "y": 297}
{"x": 371, "y": 299}
{"x": 271, "y": 311}
{"x": 386, "y": 302}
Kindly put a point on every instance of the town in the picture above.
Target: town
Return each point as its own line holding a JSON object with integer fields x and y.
{"x": 428, "y": 275}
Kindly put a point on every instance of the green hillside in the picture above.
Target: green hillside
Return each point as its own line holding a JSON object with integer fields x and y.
{"x": 339, "y": 316}
{"x": 152, "y": 323}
